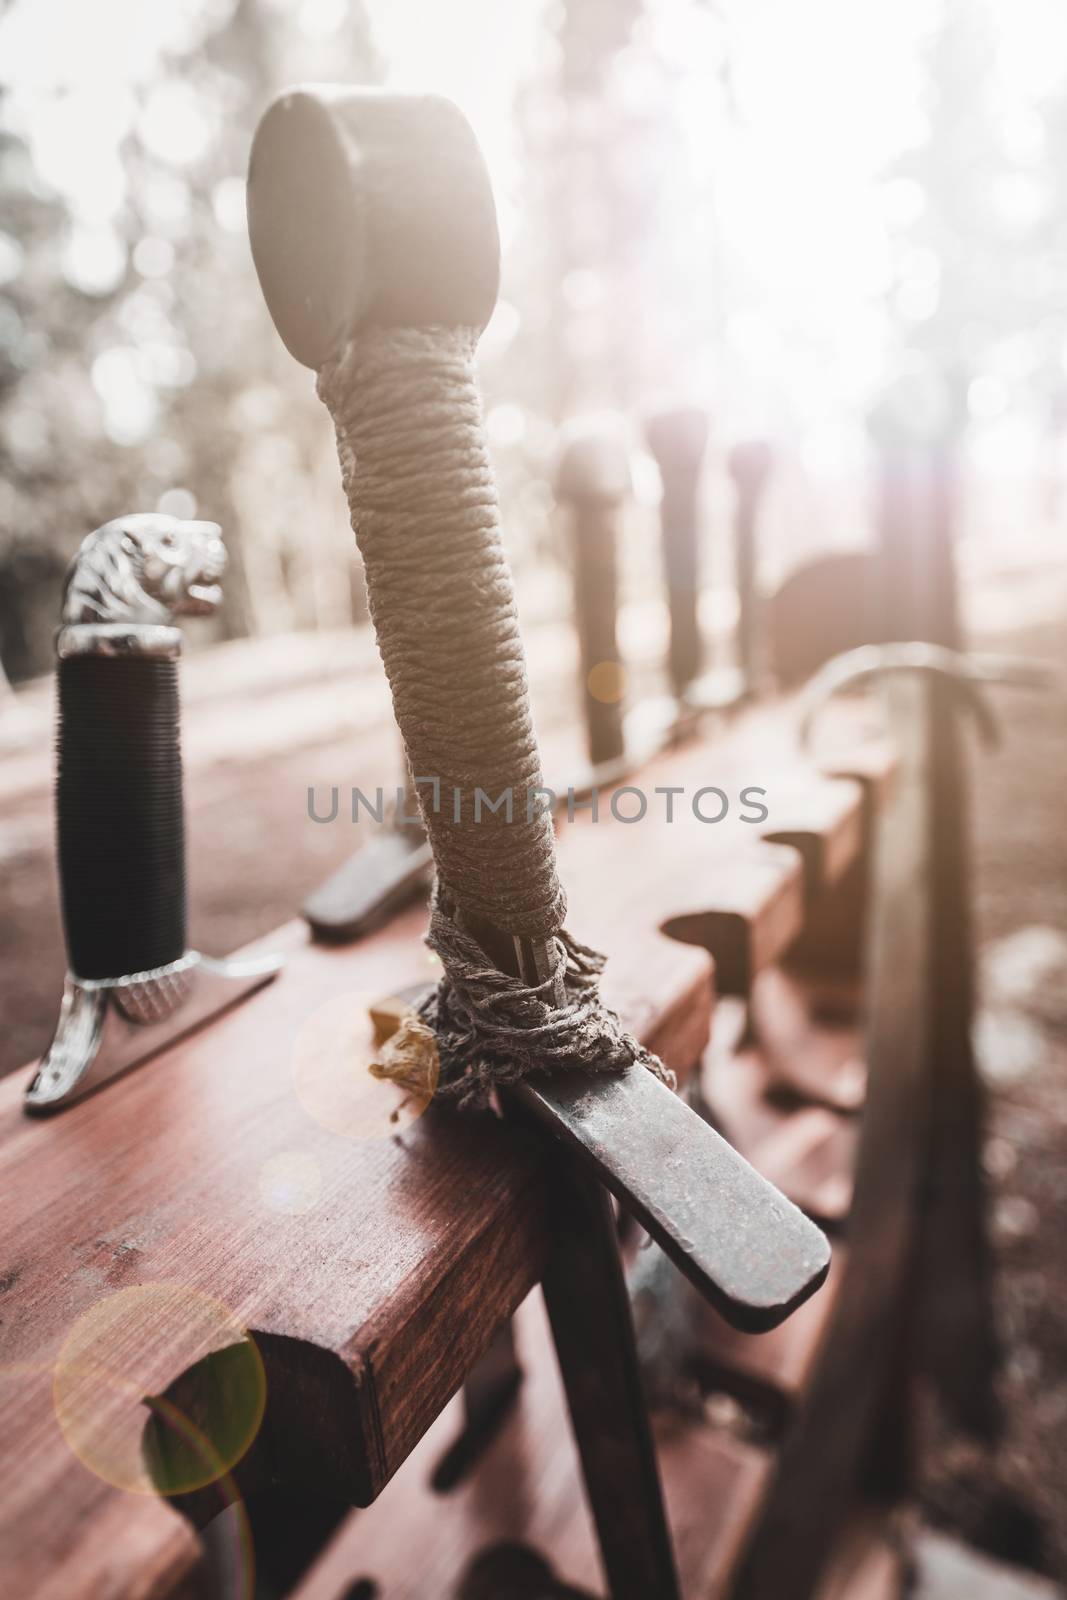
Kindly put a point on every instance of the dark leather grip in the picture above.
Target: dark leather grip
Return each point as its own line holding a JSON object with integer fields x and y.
{"x": 119, "y": 811}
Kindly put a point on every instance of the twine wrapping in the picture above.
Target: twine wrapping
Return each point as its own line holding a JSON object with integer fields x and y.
{"x": 493, "y": 1028}
{"x": 424, "y": 510}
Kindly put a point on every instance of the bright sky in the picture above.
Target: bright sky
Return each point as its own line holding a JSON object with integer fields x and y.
{"x": 474, "y": 51}
{"x": 827, "y": 92}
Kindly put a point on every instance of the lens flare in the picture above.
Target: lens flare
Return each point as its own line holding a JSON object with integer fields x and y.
{"x": 331, "y": 1057}
{"x": 607, "y": 682}
{"x": 158, "y": 1389}
{"x": 290, "y": 1182}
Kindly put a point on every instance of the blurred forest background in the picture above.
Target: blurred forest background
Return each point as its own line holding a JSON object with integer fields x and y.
{"x": 767, "y": 208}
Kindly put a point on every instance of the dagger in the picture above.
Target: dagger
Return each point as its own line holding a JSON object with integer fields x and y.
{"x": 132, "y": 985}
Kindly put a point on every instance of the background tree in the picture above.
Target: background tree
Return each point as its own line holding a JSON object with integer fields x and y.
{"x": 137, "y": 365}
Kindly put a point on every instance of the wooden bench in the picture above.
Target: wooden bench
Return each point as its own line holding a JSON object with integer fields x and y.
{"x": 369, "y": 1308}
{"x": 346, "y": 1300}
{"x": 749, "y": 1518}
{"x": 375, "y": 1266}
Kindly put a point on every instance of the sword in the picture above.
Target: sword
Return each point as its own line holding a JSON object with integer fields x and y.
{"x": 132, "y": 986}
{"x": 750, "y": 464}
{"x": 592, "y": 481}
{"x": 371, "y": 210}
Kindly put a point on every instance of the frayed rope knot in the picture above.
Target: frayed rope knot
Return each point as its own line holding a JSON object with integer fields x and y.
{"x": 492, "y": 1028}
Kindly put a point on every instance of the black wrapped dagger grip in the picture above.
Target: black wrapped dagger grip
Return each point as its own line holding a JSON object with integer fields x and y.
{"x": 596, "y": 604}
{"x": 121, "y": 827}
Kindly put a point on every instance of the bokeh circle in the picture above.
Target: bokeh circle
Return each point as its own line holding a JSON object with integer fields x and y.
{"x": 159, "y": 1389}
{"x": 331, "y": 1060}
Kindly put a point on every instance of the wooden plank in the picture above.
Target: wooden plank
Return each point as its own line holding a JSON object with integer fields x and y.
{"x": 715, "y": 885}
{"x": 823, "y": 820}
{"x": 857, "y": 753}
{"x": 833, "y": 936}
{"x": 346, "y": 1297}
{"x": 422, "y": 1241}
{"x": 734, "y": 888}
{"x": 755, "y": 915}
{"x": 393, "y": 868}
{"x": 521, "y": 1512}
{"x": 816, "y": 1060}
{"x": 775, "y": 1368}
{"x": 345, "y": 1314}
{"x": 807, "y": 1152}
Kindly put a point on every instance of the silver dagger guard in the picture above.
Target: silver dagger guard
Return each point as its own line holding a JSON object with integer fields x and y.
{"x": 132, "y": 985}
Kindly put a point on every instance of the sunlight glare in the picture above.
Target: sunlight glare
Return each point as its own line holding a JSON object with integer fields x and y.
{"x": 475, "y": 52}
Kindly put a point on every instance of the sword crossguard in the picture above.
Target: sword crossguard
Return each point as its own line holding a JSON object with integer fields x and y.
{"x": 968, "y": 675}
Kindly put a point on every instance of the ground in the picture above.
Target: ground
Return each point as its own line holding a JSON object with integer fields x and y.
{"x": 1013, "y": 1500}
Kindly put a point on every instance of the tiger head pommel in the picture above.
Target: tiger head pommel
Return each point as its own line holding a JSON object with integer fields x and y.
{"x": 146, "y": 568}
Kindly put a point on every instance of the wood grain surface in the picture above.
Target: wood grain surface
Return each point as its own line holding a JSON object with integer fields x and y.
{"x": 368, "y": 1306}
{"x": 373, "y": 1266}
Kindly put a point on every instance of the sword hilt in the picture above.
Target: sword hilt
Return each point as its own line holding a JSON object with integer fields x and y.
{"x": 119, "y": 813}
{"x": 678, "y": 440}
{"x": 120, "y": 821}
{"x": 132, "y": 986}
{"x": 593, "y": 480}
{"x": 373, "y": 231}
{"x": 750, "y": 465}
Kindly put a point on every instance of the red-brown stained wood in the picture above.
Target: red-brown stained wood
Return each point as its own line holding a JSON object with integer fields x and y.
{"x": 819, "y": 1058}
{"x": 585, "y": 1294}
{"x": 823, "y": 820}
{"x": 808, "y": 1151}
{"x": 723, "y": 867}
{"x": 756, "y": 915}
{"x": 371, "y": 1311}
{"x": 157, "y": 1180}
{"x": 522, "y": 1493}
{"x": 372, "y": 1305}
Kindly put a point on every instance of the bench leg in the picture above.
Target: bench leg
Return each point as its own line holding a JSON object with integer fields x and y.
{"x": 489, "y": 1392}
{"x": 589, "y": 1310}
{"x": 956, "y": 1311}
